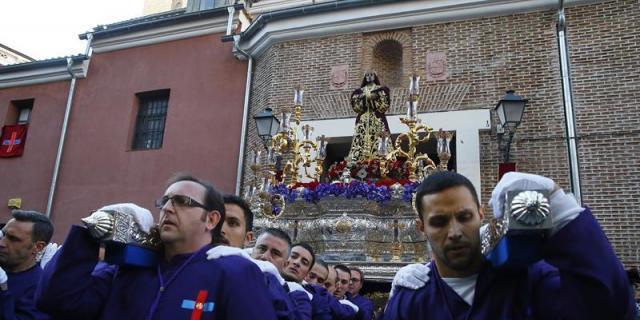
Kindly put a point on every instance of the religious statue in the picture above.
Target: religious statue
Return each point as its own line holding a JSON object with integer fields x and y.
{"x": 370, "y": 102}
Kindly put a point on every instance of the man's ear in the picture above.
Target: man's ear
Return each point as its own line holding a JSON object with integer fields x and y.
{"x": 248, "y": 238}
{"x": 213, "y": 218}
{"x": 420, "y": 225}
{"x": 39, "y": 246}
{"x": 481, "y": 212}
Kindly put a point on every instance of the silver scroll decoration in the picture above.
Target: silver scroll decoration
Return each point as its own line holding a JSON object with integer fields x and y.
{"x": 111, "y": 225}
{"x": 526, "y": 211}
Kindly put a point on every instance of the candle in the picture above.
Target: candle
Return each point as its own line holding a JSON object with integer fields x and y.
{"x": 307, "y": 130}
{"x": 322, "y": 147}
{"x": 255, "y": 157}
{"x": 411, "y": 110}
{"x": 383, "y": 143}
{"x": 285, "y": 125}
{"x": 414, "y": 86}
{"x": 297, "y": 97}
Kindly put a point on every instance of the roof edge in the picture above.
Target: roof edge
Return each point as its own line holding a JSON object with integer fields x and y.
{"x": 38, "y": 64}
{"x": 140, "y": 24}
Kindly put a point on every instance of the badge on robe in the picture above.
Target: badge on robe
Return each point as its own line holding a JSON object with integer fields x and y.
{"x": 199, "y": 306}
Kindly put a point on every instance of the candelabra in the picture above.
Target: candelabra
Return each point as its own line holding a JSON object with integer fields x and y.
{"x": 259, "y": 191}
{"x": 289, "y": 147}
{"x": 418, "y": 163}
{"x": 297, "y": 151}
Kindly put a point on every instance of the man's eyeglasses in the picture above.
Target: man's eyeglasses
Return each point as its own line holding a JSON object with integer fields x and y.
{"x": 179, "y": 200}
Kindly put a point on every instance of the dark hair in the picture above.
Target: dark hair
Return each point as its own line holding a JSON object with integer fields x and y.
{"x": 322, "y": 263}
{"x": 307, "y": 247}
{"x": 441, "y": 181}
{"x": 280, "y": 234}
{"x": 343, "y": 268}
{"x": 42, "y": 227}
{"x": 248, "y": 215}
{"x": 212, "y": 201}
{"x": 356, "y": 269}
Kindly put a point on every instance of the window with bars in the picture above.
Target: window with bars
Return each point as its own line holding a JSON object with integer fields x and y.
{"x": 152, "y": 114}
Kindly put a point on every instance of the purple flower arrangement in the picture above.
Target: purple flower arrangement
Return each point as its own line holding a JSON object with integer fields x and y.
{"x": 313, "y": 192}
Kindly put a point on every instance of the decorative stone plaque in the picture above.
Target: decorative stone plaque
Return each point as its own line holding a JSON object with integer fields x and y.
{"x": 339, "y": 77}
{"x": 436, "y": 68}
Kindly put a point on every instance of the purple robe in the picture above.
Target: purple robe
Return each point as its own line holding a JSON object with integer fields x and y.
{"x": 320, "y": 304}
{"x": 301, "y": 305}
{"x": 365, "y": 306}
{"x": 579, "y": 278}
{"x": 340, "y": 311}
{"x": 72, "y": 287}
{"x": 326, "y": 307}
{"x": 282, "y": 303}
{"x": 18, "y": 301}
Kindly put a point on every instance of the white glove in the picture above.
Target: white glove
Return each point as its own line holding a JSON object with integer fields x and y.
{"x": 516, "y": 181}
{"x": 142, "y": 216}
{"x": 413, "y": 276}
{"x": 350, "y": 304}
{"x": 268, "y": 267}
{"x": 3, "y": 276}
{"x": 563, "y": 207}
{"x": 48, "y": 253}
{"x": 225, "y": 251}
{"x": 294, "y": 286}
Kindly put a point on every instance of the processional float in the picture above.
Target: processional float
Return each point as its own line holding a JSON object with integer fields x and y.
{"x": 360, "y": 210}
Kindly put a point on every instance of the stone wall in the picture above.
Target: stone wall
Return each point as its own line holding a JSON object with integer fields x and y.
{"x": 484, "y": 58}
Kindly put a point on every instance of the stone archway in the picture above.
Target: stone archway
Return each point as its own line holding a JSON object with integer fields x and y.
{"x": 389, "y": 54}
{"x": 387, "y": 62}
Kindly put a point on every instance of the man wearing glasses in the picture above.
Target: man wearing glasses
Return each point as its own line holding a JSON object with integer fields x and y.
{"x": 365, "y": 305}
{"x": 184, "y": 284}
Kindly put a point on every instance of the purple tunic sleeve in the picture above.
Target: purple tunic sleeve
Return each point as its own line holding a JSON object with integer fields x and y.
{"x": 280, "y": 299}
{"x": 593, "y": 283}
{"x": 301, "y": 304}
{"x": 339, "y": 310}
{"x": 68, "y": 289}
{"x": 320, "y": 303}
{"x": 18, "y": 302}
{"x": 365, "y": 306}
{"x": 245, "y": 294}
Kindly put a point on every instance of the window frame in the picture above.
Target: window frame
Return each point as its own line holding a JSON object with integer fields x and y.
{"x": 150, "y": 120}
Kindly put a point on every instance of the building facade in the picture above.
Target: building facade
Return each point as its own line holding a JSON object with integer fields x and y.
{"x": 467, "y": 53}
{"x": 158, "y": 95}
{"x": 470, "y": 53}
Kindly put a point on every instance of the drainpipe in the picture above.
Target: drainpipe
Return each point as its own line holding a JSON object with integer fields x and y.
{"x": 245, "y": 111}
{"x": 231, "y": 10}
{"x": 65, "y": 124}
{"x": 569, "y": 111}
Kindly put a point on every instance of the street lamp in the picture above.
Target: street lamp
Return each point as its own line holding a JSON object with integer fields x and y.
{"x": 267, "y": 125}
{"x": 510, "y": 110}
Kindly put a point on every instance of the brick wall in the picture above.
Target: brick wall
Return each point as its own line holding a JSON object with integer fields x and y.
{"x": 605, "y": 43}
{"x": 487, "y": 56}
